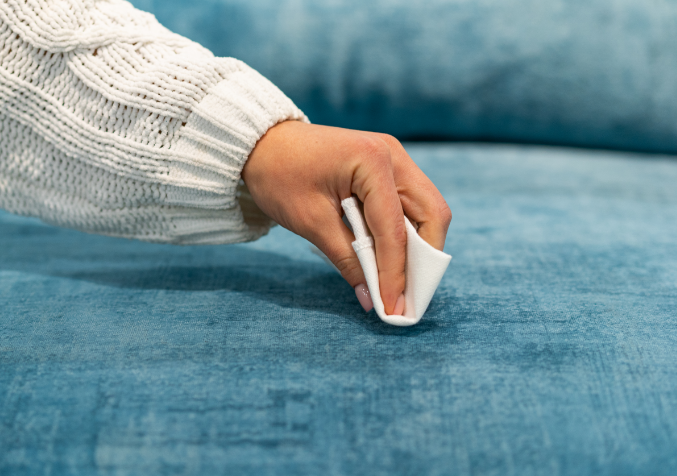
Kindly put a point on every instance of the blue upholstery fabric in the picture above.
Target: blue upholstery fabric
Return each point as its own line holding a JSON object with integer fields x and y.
{"x": 593, "y": 73}
{"x": 549, "y": 348}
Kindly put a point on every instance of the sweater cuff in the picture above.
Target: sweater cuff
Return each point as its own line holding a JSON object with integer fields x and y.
{"x": 214, "y": 206}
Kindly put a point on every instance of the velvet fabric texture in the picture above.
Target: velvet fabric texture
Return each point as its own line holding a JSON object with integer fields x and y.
{"x": 595, "y": 74}
{"x": 549, "y": 348}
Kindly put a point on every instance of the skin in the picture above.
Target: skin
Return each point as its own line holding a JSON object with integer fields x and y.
{"x": 298, "y": 174}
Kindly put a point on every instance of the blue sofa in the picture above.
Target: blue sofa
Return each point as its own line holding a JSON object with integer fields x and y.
{"x": 549, "y": 348}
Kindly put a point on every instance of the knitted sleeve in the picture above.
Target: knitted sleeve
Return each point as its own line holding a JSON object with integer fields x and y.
{"x": 111, "y": 124}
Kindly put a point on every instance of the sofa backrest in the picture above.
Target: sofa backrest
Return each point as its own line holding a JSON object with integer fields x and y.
{"x": 575, "y": 72}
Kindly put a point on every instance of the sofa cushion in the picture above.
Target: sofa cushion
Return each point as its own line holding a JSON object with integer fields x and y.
{"x": 550, "y": 345}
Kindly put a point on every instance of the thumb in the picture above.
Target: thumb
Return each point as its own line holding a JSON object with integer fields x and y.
{"x": 335, "y": 241}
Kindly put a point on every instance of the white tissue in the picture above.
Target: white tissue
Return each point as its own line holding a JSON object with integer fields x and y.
{"x": 424, "y": 268}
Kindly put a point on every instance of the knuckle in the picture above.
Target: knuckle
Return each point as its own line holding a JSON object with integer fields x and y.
{"x": 390, "y": 140}
{"x": 349, "y": 268}
{"x": 444, "y": 213}
{"x": 394, "y": 144}
{"x": 374, "y": 149}
{"x": 399, "y": 234}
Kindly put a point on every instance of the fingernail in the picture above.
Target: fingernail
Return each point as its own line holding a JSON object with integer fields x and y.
{"x": 399, "y": 306}
{"x": 362, "y": 293}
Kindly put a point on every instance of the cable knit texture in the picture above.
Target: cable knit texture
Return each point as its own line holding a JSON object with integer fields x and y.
{"x": 112, "y": 124}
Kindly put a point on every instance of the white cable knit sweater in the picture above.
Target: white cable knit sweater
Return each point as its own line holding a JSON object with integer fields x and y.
{"x": 111, "y": 124}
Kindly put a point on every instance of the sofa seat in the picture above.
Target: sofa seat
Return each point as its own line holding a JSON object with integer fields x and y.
{"x": 549, "y": 347}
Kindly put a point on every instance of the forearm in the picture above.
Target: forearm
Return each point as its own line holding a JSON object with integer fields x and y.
{"x": 127, "y": 130}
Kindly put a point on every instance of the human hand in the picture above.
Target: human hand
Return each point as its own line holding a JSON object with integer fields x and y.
{"x": 298, "y": 174}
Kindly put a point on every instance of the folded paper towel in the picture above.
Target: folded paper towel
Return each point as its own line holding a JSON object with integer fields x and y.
{"x": 424, "y": 268}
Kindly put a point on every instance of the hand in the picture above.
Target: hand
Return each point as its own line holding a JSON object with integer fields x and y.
{"x": 298, "y": 174}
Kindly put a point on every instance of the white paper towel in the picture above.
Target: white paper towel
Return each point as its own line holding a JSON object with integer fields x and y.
{"x": 424, "y": 268}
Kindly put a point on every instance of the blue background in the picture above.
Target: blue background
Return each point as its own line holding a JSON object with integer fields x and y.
{"x": 597, "y": 73}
